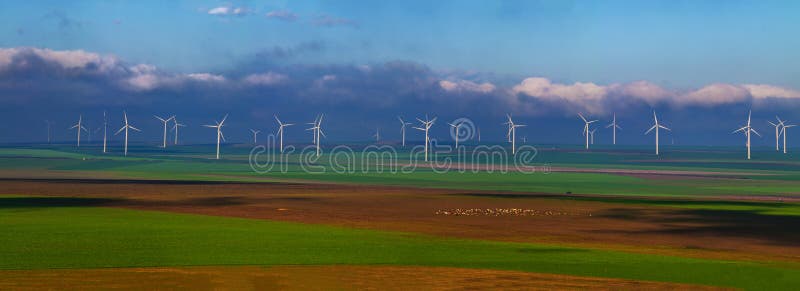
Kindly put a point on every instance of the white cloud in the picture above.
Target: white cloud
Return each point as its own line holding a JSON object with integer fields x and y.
{"x": 577, "y": 92}
{"x": 284, "y": 15}
{"x": 599, "y": 99}
{"x": 466, "y": 86}
{"x": 143, "y": 82}
{"x": 267, "y": 79}
{"x": 643, "y": 90}
{"x": 228, "y": 11}
{"x": 714, "y": 94}
{"x": 206, "y": 77}
{"x": 67, "y": 59}
{"x": 766, "y": 91}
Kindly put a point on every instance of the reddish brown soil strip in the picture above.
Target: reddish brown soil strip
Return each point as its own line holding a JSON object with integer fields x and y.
{"x": 315, "y": 278}
{"x": 649, "y": 229}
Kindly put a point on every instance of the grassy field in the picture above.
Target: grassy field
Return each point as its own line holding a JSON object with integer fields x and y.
{"x": 66, "y": 232}
{"x": 69, "y": 233}
{"x": 776, "y": 175}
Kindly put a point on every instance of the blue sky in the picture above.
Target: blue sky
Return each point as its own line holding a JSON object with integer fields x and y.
{"x": 538, "y": 59}
{"x": 678, "y": 43}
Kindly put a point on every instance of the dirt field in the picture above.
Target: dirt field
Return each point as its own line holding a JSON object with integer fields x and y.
{"x": 699, "y": 233}
{"x": 315, "y": 278}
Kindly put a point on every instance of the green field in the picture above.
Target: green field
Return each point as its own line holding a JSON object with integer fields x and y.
{"x": 51, "y": 232}
{"x": 776, "y": 174}
{"x": 65, "y": 234}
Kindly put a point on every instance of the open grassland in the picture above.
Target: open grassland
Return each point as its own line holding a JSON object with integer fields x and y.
{"x": 95, "y": 237}
{"x": 776, "y": 177}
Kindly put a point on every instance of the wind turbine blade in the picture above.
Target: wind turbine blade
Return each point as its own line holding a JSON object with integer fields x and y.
{"x": 738, "y": 130}
{"x": 159, "y": 118}
{"x": 131, "y": 127}
{"x": 420, "y": 120}
{"x": 664, "y": 127}
{"x": 651, "y": 129}
{"x": 418, "y": 128}
{"x": 74, "y": 126}
{"x": 433, "y": 120}
{"x": 223, "y": 120}
{"x": 756, "y": 132}
{"x": 583, "y": 118}
{"x": 592, "y": 121}
{"x": 322, "y": 133}
{"x": 120, "y": 130}
{"x": 221, "y": 135}
{"x": 288, "y": 124}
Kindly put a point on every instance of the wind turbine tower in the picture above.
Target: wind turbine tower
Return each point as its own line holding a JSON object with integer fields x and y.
{"x": 778, "y": 131}
{"x": 656, "y": 126}
{"x": 105, "y": 131}
{"x": 426, "y": 126}
{"x": 783, "y": 131}
{"x": 125, "y": 128}
{"x": 403, "y": 129}
{"x": 747, "y": 129}
{"x": 586, "y": 128}
{"x": 614, "y": 128}
{"x": 255, "y": 135}
{"x": 456, "y": 127}
{"x": 79, "y": 127}
{"x": 175, "y": 127}
{"x": 317, "y": 131}
{"x": 512, "y": 128}
{"x": 281, "y": 125}
{"x": 165, "y": 121}
{"x": 48, "y": 130}
{"x": 218, "y": 126}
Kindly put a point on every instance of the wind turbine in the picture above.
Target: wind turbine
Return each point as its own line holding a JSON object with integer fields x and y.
{"x": 255, "y": 135}
{"x": 175, "y": 127}
{"x": 783, "y": 131}
{"x": 377, "y": 135}
{"x": 777, "y": 131}
{"x": 105, "y": 130}
{"x": 218, "y": 126}
{"x": 281, "y": 125}
{"x": 426, "y": 126}
{"x": 457, "y": 126}
{"x": 586, "y": 128}
{"x": 747, "y": 129}
{"x": 403, "y": 129}
{"x": 591, "y": 133}
{"x": 317, "y": 131}
{"x": 512, "y": 129}
{"x": 48, "y": 130}
{"x": 79, "y": 127}
{"x": 125, "y": 128}
{"x": 479, "y": 134}
{"x": 165, "y": 121}
{"x": 614, "y": 128}
{"x": 656, "y": 126}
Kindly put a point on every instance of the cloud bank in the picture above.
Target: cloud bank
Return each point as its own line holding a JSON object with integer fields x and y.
{"x": 37, "y": 75}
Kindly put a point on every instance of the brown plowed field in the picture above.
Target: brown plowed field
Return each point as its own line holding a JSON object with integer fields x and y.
{"x": 314, "y": 278}
{"x": 571, "y": 221}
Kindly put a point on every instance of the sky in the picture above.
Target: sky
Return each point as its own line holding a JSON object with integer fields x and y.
{"x": 701, "y": 64}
